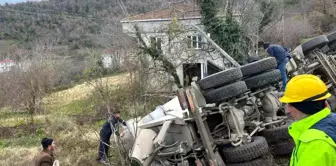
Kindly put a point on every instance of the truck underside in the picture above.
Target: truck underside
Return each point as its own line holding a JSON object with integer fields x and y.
{"x": 233, "y": 117}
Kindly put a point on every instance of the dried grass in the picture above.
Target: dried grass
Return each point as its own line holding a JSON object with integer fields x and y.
{"x": 82, "y": 91}
{"x": 17, "y": 156}
{"x": 76, "y": 145}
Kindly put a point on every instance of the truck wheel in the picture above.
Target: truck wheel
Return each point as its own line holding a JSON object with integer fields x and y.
{"x": 325, "y": 49}
{"x": 276, "y": 134}
{"x": 263, "y": 79}
{"x": 247, "y": 152}
{"x": 332, "y": 102}
{"x": 257, "y": 162}
{"x": 225, "y": 92}
{"x": 332, "y": 38}
{"x": 258, "y": 66}
{"x": 316, "y": 42}
{"x": 322, "y": 73}
{"x": 282, "y": 148}
{"x": 220, "y": 78}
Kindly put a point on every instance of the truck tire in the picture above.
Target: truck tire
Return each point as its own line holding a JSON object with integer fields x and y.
{"x": 220, "y": 78}
{"x": 282, "y": 148}
{"x": 225, "y": 92}
{"x": 250, "y": 151}
{"x": 253, "y": 59}
{"x": 322, "y": 73}
{"x": 277, "y": 134}
{"x": 316, "y": 42}
{"x": 332, "y": 103}
{"x": 258, "y": 66}
{"x": 256, "y": 162}
{"x": 263, "y": 79}
{"x": 325, "y": 49}
{"x": 332, "y": 38}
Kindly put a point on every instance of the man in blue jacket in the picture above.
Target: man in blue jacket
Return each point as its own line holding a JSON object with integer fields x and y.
{"x": 105, "y": 134}
{"x": 282, "y": 57}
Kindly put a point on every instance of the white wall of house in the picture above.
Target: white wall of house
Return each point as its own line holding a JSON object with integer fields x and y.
{"x": 178, "y": 54}
{"x": 155, "y": 25}
{"x": 4, "y": 67}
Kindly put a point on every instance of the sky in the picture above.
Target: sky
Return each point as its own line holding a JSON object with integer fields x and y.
{"x": 2, "y": 2}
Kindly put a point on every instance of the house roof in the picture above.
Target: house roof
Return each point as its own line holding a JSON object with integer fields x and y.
{"x": 180, "y": 11}
{"x": 6, "y": 61}
{"x": 109, "y": 51}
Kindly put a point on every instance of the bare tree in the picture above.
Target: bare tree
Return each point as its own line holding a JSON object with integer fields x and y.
{"x": 296, "y": 28}
{"x": 323, "y": 16}
{"x": 163, "y": 54}
{"x": 29, "y": 80}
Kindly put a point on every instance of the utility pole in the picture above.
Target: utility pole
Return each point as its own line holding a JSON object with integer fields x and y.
{"x": 283, "y": 22}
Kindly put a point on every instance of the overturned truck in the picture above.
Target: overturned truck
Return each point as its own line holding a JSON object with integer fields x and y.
{"x": 229, "y": 118}
{"x": 233, "y": 117}
{"x": 316, "y": 56}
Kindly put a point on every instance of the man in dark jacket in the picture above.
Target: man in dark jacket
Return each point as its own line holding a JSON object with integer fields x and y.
{"x": 46, "y": 156}
{"x": 282, "y": 57}
{"x": 105, "y": 134}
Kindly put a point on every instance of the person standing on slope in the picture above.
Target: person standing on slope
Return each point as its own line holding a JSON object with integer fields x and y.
{"x": 105, "y": 134}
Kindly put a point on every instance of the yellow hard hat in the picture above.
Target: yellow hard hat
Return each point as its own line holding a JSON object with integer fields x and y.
{"x": 305, "y": 87}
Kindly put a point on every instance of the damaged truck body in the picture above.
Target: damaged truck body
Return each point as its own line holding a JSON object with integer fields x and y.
{"x": 233, "y": 117}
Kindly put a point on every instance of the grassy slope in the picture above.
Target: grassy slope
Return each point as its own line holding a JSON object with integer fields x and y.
{"x": 77, "y": 144}
{"x": 4, "y": 46}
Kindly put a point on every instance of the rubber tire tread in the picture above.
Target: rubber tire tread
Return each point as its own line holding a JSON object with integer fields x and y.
{"x": 316, "y": 42}
{"x": 263, "y": 79}
{"x": 325, "y": 49}
{"x": 256, "y": 162}
{"x": 225, "y": 92}
{"x": 277, "y": 134}
{"x": 258, "y": 66}
{"x": 220, "y": 78}
{"x": 282, "y": 148}
{"x": 331, "y": 102}
{"x": 332, "y": 38}
{"x": 254, "y": 149}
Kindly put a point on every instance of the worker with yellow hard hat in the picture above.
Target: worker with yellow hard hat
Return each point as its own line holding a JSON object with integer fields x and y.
{"x": 314, "y": 129}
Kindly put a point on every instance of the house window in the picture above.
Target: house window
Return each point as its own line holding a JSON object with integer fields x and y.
{"x": 194, "y": 42}
{"x": 156, "y": 42}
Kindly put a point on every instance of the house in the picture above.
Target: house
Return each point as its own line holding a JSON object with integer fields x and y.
{"x": 5, "y": 65}
{"x": 197, "y": 58}
{"x": 109, "y": 59}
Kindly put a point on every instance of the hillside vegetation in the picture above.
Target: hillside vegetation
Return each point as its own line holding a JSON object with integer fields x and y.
{"x": 73, "y": 117}
{"x": 67, "y": 91}
{"x": 73, "y": 23}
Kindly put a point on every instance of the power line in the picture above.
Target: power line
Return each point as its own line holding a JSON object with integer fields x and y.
{"x": 42, "y": 13}
{"x": 56, "y": 11}
{"x": 49, "y": 14}
{"x": 75, "y": 15}
{"x": 68, "y": 15}
{"x": 271, "y": 26}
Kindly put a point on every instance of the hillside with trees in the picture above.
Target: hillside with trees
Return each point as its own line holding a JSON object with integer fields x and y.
{"x": 59, "y": 84}
{"x": 71, "y": 23}
{"x": 85, "y": 24}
